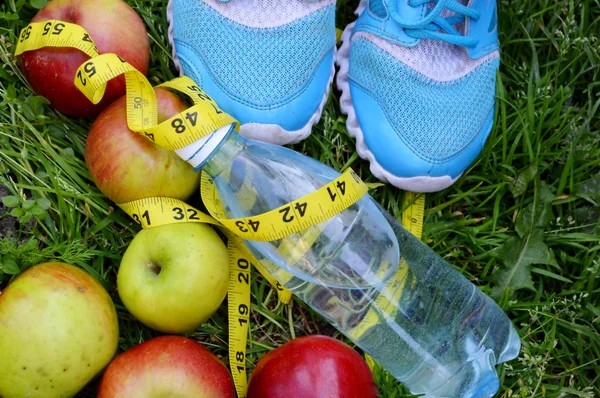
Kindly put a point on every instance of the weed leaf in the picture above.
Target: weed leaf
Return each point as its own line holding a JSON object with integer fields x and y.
{"x": 10, "y": 201}
{"x": 518, "y": 255}
{"x": 9, "y": 267}
{"x": 38, "y": 3}
{"x": 519, "y": 186}
{"x": 590, "y": 189}
{"x": 43, "y": 203}
{"x": 520, "y": 252}
{"x": 536, "y": 215}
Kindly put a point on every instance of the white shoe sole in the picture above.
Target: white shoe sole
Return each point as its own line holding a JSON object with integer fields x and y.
{"x": 414, "y": 184}
{"x": 271, "y": 133}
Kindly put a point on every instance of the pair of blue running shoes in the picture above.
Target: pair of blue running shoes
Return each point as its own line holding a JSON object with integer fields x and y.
{"x": 418, "y": 77}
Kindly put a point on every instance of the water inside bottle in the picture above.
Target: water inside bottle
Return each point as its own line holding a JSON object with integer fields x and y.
{"x": 419, "y": 318}
{"x": 442, "y": 336}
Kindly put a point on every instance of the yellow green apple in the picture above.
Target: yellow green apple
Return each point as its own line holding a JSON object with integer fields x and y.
{"x": 58, "y": 329}
{"x": 174, "y": 277}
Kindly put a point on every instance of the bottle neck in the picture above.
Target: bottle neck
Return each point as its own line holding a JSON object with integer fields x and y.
{"x": 209, "y": 149}
{"x": 223, "y": 156}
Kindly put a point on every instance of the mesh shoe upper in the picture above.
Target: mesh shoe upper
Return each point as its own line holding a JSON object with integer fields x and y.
{"x": 262, "y": 66}
{"x": 421, "y": 107}
{"x": 256, "y": 57}
{"x": 436, "y": 119}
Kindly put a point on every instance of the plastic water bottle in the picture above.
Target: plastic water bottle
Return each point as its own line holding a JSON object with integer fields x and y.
{"x": 363, "y": 272}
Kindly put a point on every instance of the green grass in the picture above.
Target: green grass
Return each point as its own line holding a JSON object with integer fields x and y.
{"x": 533, "y": 192}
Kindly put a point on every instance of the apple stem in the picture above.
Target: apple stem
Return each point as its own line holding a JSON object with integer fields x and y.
{"x": 154, "y": 268}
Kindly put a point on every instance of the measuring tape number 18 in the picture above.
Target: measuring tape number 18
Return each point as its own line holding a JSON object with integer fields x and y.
{"x": 155, "y": 212}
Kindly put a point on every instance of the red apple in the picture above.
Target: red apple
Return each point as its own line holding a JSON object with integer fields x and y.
{"x": 127, "y": 166}
{"x": 167, "y": 366}
{"x": 312, "y": 367}
{"x": 114, "y": 27}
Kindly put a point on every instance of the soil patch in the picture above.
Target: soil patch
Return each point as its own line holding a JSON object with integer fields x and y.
{"x": 8, "y": 224}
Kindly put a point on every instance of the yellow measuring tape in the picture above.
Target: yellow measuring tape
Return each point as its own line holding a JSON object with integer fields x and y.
{"x": 386, "y": 301}
{"x": 338, "y": 35}
{"x": 53, "y": 33}
{"x": 203, "y": 118}
{"x": 183, "y": 129}
{"x": 293, "y": 217}
{"x": 414, "y": 211}
{"x": 154, "y": 212}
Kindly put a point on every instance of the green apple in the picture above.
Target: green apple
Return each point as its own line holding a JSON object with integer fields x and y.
{"x": 174, "y": 277}
{"x": 58, "y": 329}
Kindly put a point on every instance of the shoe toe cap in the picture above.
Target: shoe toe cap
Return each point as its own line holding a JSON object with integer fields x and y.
{"x": 394, "y": 151}
{"x": 415, "y": 126}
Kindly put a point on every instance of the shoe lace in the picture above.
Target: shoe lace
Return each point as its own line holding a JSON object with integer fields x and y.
{"x": 432, "y": 25}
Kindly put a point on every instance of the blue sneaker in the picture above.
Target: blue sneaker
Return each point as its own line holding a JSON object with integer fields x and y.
{"x": 268, "y": 63}
{"x": 418, "y": 81}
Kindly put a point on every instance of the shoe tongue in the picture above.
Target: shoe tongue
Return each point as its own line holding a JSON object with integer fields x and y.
{"x": 408, "y": 13}
{"x": 460, "y": 27}
{"x": 414, "y": 14}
